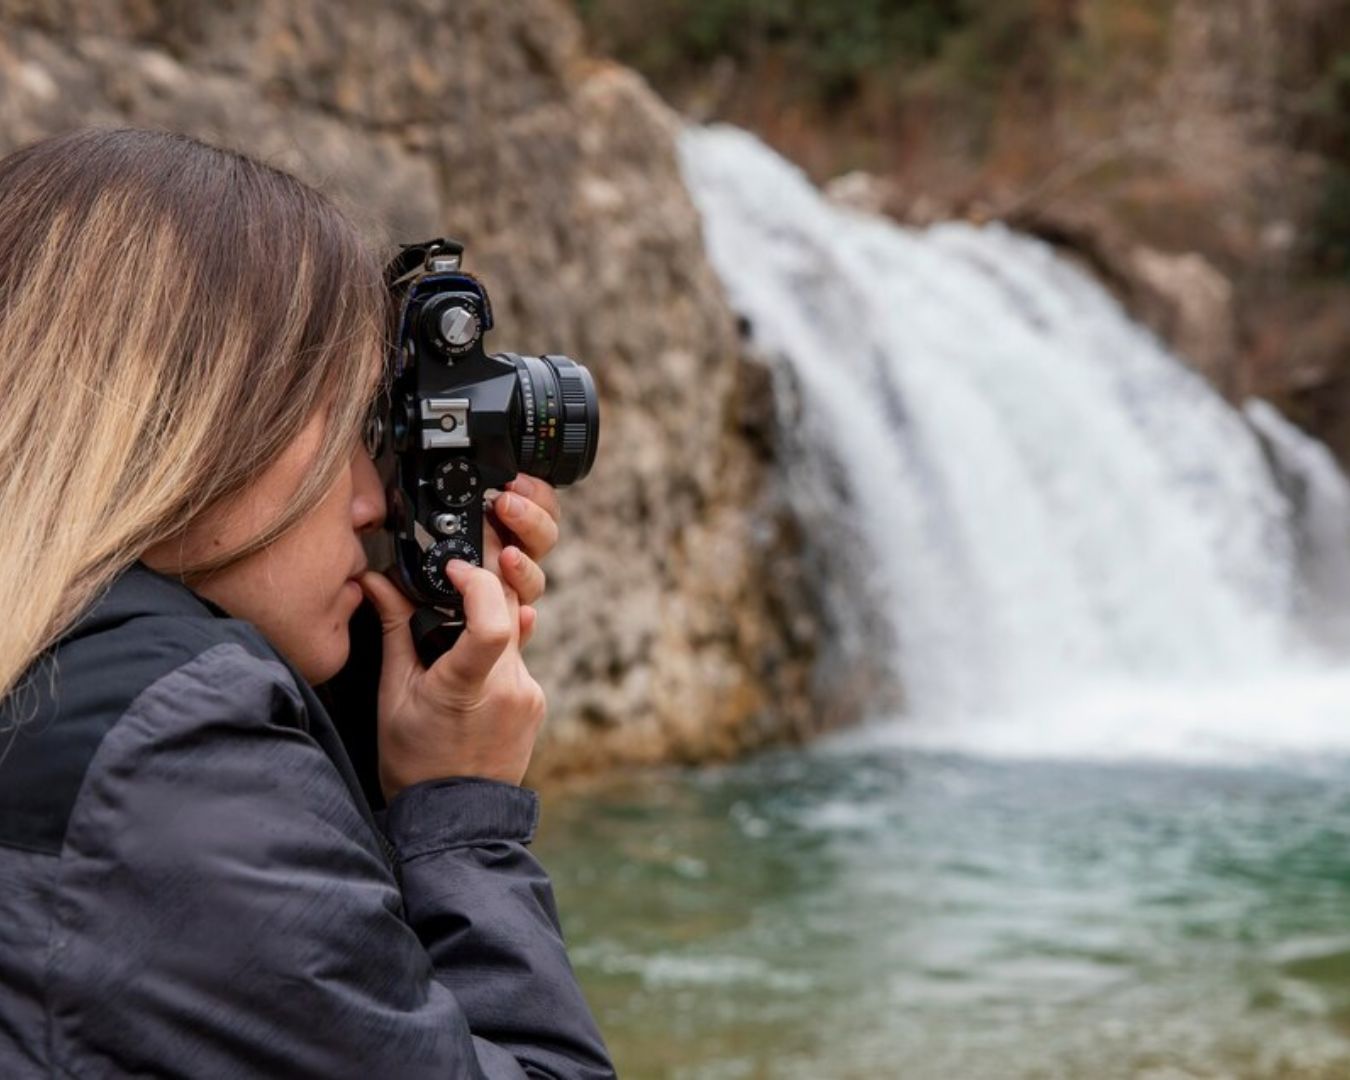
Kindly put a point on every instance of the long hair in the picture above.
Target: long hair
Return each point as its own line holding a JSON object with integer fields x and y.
{"x": 171, "y": 315}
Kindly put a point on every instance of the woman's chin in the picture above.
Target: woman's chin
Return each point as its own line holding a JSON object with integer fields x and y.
{"x": 325, "y": 667}
{"x": 327, "y": 655}
{"x": 327, "y": 658}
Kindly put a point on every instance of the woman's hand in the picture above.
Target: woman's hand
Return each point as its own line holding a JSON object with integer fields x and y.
{"x": 476, "y": 711}
{"x": 522, "y": 528}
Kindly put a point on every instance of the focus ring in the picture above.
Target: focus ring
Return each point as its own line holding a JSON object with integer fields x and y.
{"x": 579, "y": 420}
{"x": 573, "y": 392}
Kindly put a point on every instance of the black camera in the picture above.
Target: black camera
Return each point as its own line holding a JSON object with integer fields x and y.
{"x": 454, "y": 422}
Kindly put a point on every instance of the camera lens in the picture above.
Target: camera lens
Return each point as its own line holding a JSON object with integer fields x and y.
{"x": 557, "y": 418}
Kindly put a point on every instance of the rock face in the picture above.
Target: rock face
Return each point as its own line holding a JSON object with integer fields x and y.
{"x": 1205, "y": 237}
{"x": 1194, "y": 152}
{"x": 678, "y": 624}
{"x": 1202, "y": 200}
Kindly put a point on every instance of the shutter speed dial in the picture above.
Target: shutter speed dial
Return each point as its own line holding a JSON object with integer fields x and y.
{"x": 434, "y": 561}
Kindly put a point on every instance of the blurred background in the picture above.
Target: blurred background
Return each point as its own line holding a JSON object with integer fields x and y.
{"x": 949, "y": 655}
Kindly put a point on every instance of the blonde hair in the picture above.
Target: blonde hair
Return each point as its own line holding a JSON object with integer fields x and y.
{"x": 171, "y": 315}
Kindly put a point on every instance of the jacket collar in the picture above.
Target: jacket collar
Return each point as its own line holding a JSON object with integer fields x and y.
{"x": 138, "y": 590}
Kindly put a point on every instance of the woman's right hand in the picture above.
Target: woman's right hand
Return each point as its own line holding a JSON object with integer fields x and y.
{"x": 476, "y": 711}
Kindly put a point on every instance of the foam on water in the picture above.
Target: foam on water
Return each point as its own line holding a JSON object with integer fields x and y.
{"x": 1083, "y": 549}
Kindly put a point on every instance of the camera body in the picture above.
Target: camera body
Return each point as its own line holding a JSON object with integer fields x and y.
{"x": 454, "y": 422}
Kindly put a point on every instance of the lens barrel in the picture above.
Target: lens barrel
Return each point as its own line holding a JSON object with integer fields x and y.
{"x": 559, "y": 418}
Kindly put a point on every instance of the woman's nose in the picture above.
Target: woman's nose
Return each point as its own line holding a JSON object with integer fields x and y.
{"x": 368, "y": 507}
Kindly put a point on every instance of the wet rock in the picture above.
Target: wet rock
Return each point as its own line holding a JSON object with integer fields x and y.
{"x": 1183, "y": 297}
{"x": 1191, "y": 305}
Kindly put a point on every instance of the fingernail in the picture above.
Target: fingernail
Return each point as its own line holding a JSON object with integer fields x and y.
{"x": 521, "y": 485}
{"x": 454, "y": 565}
{"x": 511, "y": 556}
{"x": 506, "y": 504}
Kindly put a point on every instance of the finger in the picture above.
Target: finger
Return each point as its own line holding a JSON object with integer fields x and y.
{"x": 492, "y": 545}
{"x": 394, "y": 610}
{"x": 490, "y": 625}
{"x": 523, "y": 574}
{"x": 539, "y": 492}
{"x": 531, "y": 523}
{"x": 529, "y": 619}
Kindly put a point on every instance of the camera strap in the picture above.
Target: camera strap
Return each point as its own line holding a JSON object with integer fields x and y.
{"x": 413, "y": 257}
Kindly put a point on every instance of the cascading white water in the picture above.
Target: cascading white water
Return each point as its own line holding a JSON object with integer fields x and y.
{"x": 1062, "y": 519}
{"x": 1321, "y": 497}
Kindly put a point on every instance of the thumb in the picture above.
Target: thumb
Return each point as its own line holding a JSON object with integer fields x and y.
{"x": 394, "y": 610}
{"x": 489, "y": 626}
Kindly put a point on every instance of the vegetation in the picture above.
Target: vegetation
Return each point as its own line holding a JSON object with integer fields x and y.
{"x": 1331, "y": 122}
{"x": 833, "y": 44}
{"x": 842, "y": 84}
{"x": 1332, "y": 228}
{"x": 880, "y": 71}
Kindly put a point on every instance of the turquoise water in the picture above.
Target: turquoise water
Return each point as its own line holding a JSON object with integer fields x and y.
{"x": 862, "y": 912}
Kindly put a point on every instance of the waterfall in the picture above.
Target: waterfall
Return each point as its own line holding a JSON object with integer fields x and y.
{"x": 1321, "y": 498}
{"x": 1053, "y": 507}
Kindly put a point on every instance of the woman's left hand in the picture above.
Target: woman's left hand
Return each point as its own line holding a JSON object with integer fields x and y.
{"x": 522, "y": 528}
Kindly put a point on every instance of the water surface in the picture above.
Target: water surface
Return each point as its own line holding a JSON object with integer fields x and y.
{"x": 864, "y": 911}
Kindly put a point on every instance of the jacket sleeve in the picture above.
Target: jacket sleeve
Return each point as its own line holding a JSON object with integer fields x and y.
{"x": 222, "y": 908}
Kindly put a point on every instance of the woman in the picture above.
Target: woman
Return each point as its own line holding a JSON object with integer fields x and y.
{"x": 191, "y": 881}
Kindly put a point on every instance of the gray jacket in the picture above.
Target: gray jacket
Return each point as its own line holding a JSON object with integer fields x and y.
{"x": 192, "y": 882}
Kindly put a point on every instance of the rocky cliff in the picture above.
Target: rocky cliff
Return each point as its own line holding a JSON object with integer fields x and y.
{"x": 678, "y": 623}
